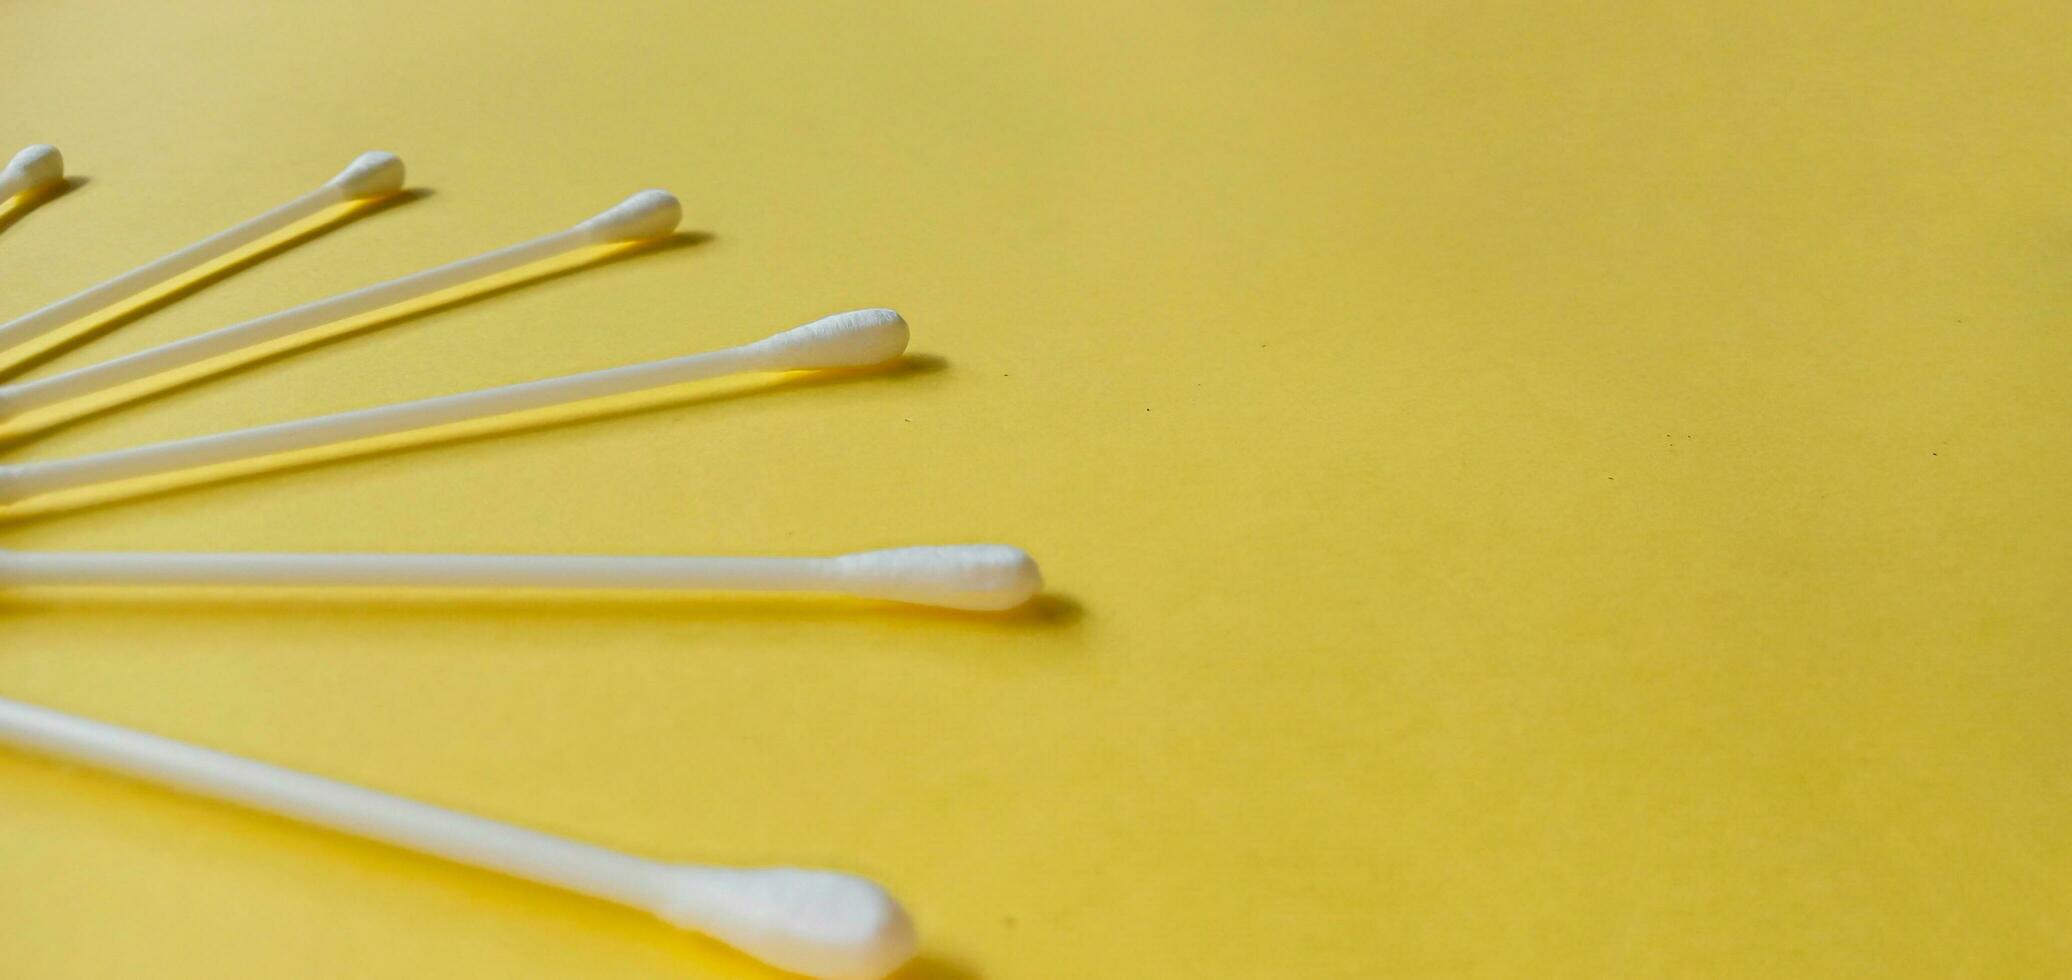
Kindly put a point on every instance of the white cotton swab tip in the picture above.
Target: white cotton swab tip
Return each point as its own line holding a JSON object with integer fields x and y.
{"x": 976, "y": 577}
{"x": 375, "y": 174}
{"x": 818, "y": 923}
{"x": 32, "y": 169}
{"x": 858, "y": 338}
{"x": 647, "y": 214}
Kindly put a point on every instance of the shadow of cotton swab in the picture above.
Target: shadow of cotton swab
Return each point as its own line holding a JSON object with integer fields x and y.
{"x": 75, "y": 502}
{"x": 99, "y": 325}
{"x": 17, "y": 208}
{"x": 150, "y": 390}
{"x": 643, "y": 216}
{"x": 369, "y": 176}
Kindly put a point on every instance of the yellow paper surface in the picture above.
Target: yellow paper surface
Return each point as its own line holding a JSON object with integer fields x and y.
{"x": 1563, "y": 490}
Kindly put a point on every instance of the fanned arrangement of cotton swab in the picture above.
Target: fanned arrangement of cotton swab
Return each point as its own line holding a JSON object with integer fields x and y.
{"x": 818, "y": 923}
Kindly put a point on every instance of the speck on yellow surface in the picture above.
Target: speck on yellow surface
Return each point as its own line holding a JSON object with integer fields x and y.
{"x": 1561, "y": 490}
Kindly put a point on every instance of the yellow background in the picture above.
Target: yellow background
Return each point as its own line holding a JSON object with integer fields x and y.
{"x": 1567, "y": 490}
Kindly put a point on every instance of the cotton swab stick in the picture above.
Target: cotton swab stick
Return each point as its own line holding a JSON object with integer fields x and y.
{"x": 647, "y": 214}
{"x": 32, "y": 169}
{"x": 372, "y": 175}
{"x": 858, "y": 338}
{"x": 979, "y": 577}
{"x": 819, "y": 923}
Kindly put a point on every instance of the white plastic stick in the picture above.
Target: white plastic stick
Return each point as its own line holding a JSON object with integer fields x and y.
{"x": 985, "y": 577}
{"x": 32, "y": 169}
{"x": 372, "y": 175}
{"x": 855, "y": 339}
{"x": 644, "y": 215}
{"x": 818, "y": 923}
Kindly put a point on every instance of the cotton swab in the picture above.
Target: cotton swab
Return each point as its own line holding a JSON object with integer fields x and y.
{"x": 858, "y": 338}
{"x": 32, "y": 169}
{"x": 371, "y": 175}
{"x": 978, "y": 577}
{"x": 823, "y": 924}
{"x": 648, "y": 214}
